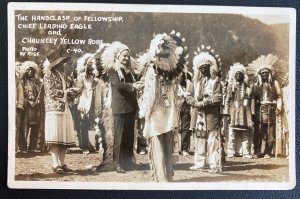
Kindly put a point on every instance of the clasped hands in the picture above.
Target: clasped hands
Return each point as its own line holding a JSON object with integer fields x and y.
{"x": 203, "y": 103}
{"x": 73, "y": 92}
{"x": 138, "y": 85}
{"x": 32, "y": 103}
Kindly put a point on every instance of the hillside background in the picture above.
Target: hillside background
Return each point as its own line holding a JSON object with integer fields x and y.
{"x": 234, "y": 37}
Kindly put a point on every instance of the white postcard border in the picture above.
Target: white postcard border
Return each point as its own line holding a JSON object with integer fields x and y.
{"x": 12, "y": 183}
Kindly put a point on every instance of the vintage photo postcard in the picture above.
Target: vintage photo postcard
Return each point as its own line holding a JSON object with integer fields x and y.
{"x": 151, "y": 97}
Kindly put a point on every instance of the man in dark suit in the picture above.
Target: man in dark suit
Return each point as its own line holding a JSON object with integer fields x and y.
{"x": 124, "y": 106}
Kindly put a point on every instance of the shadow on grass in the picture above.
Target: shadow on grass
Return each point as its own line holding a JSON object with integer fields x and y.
{"x": 225, "y": 177}
{"x": 31, "y": 154}
{"x": 251, "y": 166}
{"x": 235, "y": 166}
{"x": 182, "y": 166}
{"x": 54, "y": 176}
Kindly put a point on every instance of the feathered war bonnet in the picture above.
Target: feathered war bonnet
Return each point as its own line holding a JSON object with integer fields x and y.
{"x": 234, "y": 69}
{"x": 110, "y": 55}
{"x": 29, "y": 64}
{"x": 95, "y": 58}
{"x": 83, "y": 62}
{"x": 187, "y": 74}
{"x": 206, "y": 55}
{"x": 167, "y": 54}
{"x": 143, "y": 60}
{"x": 277, "y": 69}
{"x": 90, "y": 59}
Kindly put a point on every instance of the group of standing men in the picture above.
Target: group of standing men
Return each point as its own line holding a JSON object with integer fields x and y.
{"x": 156, "y": 89}
{"x": 29, "y": 107}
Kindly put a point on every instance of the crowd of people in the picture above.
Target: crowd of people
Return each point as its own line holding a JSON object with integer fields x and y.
{"x": 152, "y": 104}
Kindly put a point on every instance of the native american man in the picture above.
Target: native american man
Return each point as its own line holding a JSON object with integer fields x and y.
{"x": 205, "y": 98}
{"x": 158, "y": 104}
{"x": 268, "y": 102}
{"x": 238, "y": 106}
{"x": 31, "y": 85}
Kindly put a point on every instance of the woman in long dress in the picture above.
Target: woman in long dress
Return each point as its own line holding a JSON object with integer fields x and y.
{"x": 59, "y": 129}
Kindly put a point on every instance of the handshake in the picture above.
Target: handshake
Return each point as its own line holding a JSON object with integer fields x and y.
{"x": 73, "y": 92}
{"x": 203, "y": 103}
{"x": 138, "y": 85}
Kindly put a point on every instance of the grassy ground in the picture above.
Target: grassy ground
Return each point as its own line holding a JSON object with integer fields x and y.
{"x": 37, "y": 166}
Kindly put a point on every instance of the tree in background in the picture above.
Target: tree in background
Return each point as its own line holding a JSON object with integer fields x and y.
{"x": 237, "y": 38}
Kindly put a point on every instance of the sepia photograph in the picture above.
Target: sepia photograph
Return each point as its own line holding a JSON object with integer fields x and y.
{"x": 151, "y": 97}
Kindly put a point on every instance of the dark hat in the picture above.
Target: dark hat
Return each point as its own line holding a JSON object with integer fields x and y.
{"x": 55, "y": 58}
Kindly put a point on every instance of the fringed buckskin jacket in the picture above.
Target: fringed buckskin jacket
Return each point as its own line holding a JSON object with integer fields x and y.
{"x": 239, "y": 104}
{"x": 159, "y": 118}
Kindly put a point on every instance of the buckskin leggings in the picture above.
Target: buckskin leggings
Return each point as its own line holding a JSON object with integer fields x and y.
{"x": 160, "y": 157}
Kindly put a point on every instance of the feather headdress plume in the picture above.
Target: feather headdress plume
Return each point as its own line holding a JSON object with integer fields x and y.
{"x": 206, "y": 55}
{"x": 29, "y": 64}
{"x": 168, "y": 54}
{"x": 188, "y": 75}
{"x": 144, "y": 59}
{"x": 277, "y": 68}
{"x": 101, "y": 49}
{"x": 136, "y": 67}
{"x": 110, "y": 55}
{"x": 237, "y": 67}
{"x": 96, "y": 57}
{"x": 83, "y": 61}
{"x": 90, "y": 58}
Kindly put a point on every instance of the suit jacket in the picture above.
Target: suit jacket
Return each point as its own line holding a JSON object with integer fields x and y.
{"x": 123, "y": 95}
{"x": 212, "y": 111}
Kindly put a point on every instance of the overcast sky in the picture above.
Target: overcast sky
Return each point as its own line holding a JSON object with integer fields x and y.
{"x": 270, "y": 19}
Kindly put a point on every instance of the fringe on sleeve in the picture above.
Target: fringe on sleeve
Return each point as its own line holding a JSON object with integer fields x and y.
{"x": 149, "y": 94}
